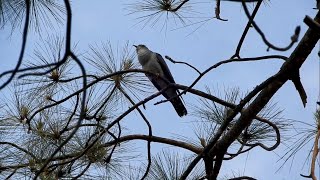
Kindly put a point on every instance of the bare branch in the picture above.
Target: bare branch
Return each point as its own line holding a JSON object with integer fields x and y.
{"x": 181, "y": 62}
{"x": 294, "y": 38}
{"x": 158, "y": 139}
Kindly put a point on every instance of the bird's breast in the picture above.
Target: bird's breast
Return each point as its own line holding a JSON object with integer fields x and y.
{"x": 154, "y": 67}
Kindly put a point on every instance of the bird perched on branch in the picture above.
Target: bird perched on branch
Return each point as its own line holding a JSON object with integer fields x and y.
{"x": 154, "y": 63}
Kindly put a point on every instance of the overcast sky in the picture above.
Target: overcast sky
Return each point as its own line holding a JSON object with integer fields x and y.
{"x": 102, "y": 21}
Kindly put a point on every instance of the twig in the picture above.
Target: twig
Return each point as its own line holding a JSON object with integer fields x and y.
{"x": 105, "y": 102}
{"x": 82, "y": 172}
{"x": 71, "y": 116}
{"x": 108, "y": 159}
{"x": 246, "y": 29}
{"x": 217, "y": 11}
{"x": 181, "y": 62}
{"x": 179, "y": 6}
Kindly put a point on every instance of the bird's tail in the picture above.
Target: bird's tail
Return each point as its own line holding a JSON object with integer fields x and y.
{"x": 179, "y": 107}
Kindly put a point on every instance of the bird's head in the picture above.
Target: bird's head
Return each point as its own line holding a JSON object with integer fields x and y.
{"x": 141, "y": 49}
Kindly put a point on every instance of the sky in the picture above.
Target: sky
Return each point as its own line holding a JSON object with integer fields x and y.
{"x": 202, "y": 45}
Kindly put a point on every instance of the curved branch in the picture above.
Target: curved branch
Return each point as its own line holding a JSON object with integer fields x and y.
{"x": 19, "y": 148}
{"x": 157, "y": 139}
{"x": 181, "y": 62}
{"x": 278, "y": 138}
{"x": 294, "y": 38}
{"x": 243, "y": 178}
{"x": 276, "y": 129}
{"x": 23, "y": 46}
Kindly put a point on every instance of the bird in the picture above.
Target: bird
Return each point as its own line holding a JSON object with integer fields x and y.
{"x": 154, "y": 63}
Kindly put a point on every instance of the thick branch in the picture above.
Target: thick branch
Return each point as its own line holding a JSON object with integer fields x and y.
{"x": 293, "y": 64}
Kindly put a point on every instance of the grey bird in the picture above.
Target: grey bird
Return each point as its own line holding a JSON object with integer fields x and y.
{"x": 153, "y": 62}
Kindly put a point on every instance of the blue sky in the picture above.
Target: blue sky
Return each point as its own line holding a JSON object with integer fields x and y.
{"x": 214, "y": 41}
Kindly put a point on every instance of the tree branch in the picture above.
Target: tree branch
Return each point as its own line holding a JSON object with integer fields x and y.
{"x": 158, "y": 139}
{"x": 23, "y": 46}
{"x": 293, "y": 64}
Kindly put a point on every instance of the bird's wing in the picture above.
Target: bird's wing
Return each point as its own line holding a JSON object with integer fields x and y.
{"x": 165, "y": 68}
{"x": 155, "y": 82}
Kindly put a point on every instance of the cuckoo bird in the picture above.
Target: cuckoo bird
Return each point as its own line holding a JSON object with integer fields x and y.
{"x": 154, "y": 63}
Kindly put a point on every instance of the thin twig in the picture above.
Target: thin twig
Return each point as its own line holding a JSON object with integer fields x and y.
{"x": 179, "y": 6}
{"x": 246, "y": 29}
{"x": 82, "y": 172}
{"x": 181, "y": 62}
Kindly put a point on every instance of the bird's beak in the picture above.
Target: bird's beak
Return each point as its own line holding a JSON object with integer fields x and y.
{"x": 135, "y": 46}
